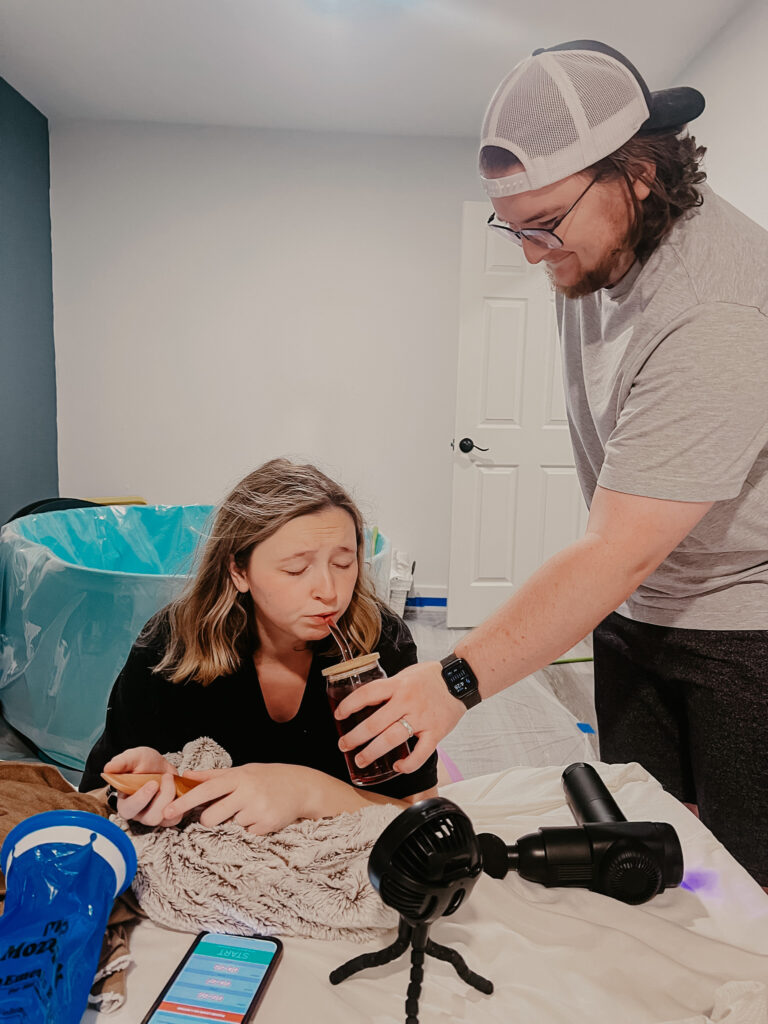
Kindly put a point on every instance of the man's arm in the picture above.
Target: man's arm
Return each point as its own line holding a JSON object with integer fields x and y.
{"x": 627, "y": 537}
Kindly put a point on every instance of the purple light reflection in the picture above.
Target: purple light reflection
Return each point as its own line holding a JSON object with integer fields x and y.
{"x": 700, "y": 881}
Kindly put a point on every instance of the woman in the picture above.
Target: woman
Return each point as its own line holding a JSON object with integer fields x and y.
{"x": 238, "y": 658}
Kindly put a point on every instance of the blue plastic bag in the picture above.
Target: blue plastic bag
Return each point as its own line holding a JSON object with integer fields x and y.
{"x": 63, "y": 870}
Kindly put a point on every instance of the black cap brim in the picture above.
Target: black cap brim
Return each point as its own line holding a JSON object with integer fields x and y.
{"x": 672, "y": 108}
{"x": 669, "y": 108}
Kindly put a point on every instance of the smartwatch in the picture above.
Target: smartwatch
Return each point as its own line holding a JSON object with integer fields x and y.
{"x": 460, "y": 680}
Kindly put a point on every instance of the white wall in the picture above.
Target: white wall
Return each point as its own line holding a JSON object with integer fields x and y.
{"x": 223, "y": 296}
{"x": 732, "y": 73}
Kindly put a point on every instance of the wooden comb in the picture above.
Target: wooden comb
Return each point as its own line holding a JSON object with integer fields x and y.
{"x": 130, "y": 782}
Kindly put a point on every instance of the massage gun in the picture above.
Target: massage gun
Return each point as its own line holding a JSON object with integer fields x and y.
{"x": 631, "y": 861}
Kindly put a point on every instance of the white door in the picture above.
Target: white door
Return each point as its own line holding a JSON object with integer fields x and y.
{"x": 519, "y": 502}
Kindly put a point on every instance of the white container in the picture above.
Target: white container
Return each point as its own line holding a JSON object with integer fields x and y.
{"x": 400, "y": 582}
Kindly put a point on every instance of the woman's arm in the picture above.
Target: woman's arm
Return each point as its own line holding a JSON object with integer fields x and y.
{"x": 266, "y": 797}
{"x": 414, "y": 798}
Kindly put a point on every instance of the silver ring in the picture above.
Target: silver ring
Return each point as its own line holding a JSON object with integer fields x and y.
{"x": 407, "y": 726}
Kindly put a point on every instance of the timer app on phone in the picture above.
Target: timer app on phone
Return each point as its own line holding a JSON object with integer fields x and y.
{"x": 218, "y": 981}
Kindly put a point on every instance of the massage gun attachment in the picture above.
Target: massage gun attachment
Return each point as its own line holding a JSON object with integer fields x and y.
{"x": 631, "y": 861}
{"x": 587, "y": 795}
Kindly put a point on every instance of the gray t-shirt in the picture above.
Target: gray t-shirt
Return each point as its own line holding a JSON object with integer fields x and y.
{"x": 666, "y": 378}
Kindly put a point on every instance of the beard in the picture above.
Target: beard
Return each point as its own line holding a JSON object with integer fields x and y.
{"x": 601, "y": 275}
{"x": 593, "y": 280}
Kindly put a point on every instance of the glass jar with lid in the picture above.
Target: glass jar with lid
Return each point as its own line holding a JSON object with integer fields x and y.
{"x": 343, "y": 679}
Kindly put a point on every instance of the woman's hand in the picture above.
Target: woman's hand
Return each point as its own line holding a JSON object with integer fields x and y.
{"x": 419, "y": 695}
{"x": 261, "y": 797}
{"x": 147, "y": 804}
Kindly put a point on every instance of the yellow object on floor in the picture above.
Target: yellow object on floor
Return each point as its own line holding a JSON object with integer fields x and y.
{"x": 128, "y": 500}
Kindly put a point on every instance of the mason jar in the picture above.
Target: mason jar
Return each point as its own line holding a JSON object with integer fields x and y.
{"x": 341, "y": 680}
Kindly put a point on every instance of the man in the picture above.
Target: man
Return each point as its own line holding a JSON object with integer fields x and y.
{"x": 661, "y": 298}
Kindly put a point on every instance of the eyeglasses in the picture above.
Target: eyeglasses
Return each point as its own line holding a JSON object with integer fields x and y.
{"x": 545, "y": 237}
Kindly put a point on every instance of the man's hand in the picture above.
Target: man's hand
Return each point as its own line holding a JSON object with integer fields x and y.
{"x": 419, "y": 695}
{"x": 627, "y": 537}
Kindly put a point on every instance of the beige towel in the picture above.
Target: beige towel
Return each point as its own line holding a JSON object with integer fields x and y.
{"x": 309, "y": 879}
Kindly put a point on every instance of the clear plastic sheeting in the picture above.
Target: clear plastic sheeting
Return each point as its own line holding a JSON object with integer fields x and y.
{"x": 525, "y": 724}
{"x": 76, "y": 587}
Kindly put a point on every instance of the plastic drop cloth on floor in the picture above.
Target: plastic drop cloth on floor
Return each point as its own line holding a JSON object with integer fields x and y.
{"x": 523, "y": 725}
{"x": 76, "y": 587}
{"x": 539, "y": 721}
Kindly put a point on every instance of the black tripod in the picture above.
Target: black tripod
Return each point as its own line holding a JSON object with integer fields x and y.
{"x": 414, "y": 936}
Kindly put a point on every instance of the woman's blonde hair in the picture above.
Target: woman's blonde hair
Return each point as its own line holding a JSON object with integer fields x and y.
{"x": 211, "y": 624}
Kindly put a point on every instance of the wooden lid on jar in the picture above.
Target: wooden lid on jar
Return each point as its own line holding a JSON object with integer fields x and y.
{"x": 350, "y": 668}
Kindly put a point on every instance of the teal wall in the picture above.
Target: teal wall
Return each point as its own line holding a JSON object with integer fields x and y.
{"x": 28, "y": 459}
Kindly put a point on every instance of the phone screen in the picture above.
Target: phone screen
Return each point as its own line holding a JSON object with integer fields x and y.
{"x": 221, "y": 978}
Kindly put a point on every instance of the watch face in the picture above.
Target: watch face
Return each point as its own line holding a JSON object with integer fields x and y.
{"x": 459, "y": 680}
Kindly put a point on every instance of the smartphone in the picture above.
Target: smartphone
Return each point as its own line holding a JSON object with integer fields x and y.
{"x": 222, "y": 977}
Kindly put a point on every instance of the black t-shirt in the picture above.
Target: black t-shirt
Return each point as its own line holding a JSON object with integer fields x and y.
{"x": 147, "y": 710}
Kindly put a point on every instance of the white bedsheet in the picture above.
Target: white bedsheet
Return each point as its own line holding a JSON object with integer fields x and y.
{"x": 555, "y": 956}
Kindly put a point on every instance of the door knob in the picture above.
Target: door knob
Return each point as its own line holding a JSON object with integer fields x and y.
{"x": 466, "y": 444}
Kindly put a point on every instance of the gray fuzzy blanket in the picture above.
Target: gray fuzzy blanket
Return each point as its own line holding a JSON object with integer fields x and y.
{"x": 309, "y": 879}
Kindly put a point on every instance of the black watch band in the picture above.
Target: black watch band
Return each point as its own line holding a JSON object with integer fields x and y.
{"x": 460, "y": 680}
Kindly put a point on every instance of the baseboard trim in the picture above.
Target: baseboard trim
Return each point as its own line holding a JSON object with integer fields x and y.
{"x": 426, "y": 602}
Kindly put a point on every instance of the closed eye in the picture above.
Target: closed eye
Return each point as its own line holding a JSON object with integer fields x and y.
{"x": 346, "y": 565}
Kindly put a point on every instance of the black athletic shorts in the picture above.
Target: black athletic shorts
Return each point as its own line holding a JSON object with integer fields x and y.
{"x": 691, "y": 706}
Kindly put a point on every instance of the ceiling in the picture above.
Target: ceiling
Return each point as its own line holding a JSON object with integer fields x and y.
{"x": 406, "y": 67}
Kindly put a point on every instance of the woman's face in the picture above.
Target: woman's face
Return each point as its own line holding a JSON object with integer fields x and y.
{"x": 302, "y": 576}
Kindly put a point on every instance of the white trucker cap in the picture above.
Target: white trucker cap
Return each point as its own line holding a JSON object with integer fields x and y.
{"x": 566, "y": 107}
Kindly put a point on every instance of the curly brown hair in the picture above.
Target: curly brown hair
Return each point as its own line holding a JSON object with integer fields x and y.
{"x": 676, "y": 160}
{"x": 673, "y": 184}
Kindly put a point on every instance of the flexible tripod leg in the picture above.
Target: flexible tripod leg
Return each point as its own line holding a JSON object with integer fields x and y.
{"x": 454, "y": 957}
{"x": 415, "y": 936}
{"x": 419, "y": 944}
{"x": 414, "y": 987}
{"x": 378, "y": 957}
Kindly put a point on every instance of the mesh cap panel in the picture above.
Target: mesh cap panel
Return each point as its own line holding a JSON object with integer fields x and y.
{"x": 553, "y": 130}
{"x": 602, "y": 86}
{"x": 559, "y": 112}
